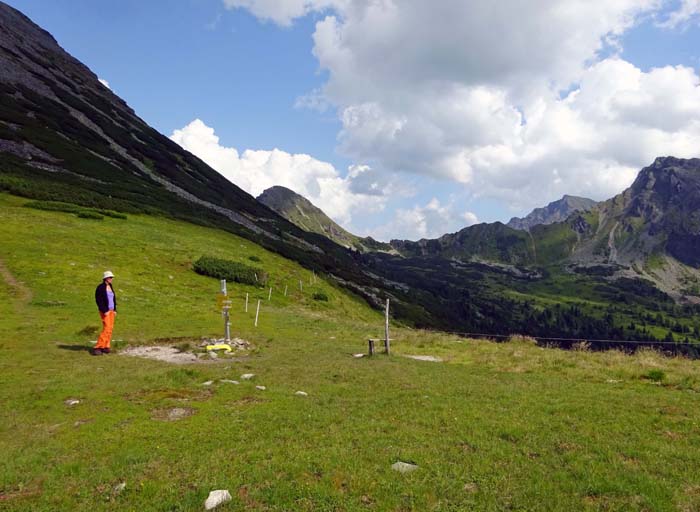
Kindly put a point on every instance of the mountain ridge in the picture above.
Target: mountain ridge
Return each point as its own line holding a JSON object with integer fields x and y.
{"x": 300, "y": 211}
{"x": 556, "y": 211}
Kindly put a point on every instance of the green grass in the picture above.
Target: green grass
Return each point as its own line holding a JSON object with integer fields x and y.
{"x": 494, "y": 427}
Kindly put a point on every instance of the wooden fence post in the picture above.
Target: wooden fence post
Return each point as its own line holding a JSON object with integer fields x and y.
{"x": 257, "y": 313}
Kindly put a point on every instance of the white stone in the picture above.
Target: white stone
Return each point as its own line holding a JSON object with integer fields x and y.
{"x": 72, "y": 401}
{"x": 261, "y": 388}
{"x": 403, "y": 467}
{"x": 208, "y": 383}
{"x": 358, "y": 355}
{"x": 212, "y": 354}
{"x": 301, "y": 393}
{"x": 217, "y": 498}
{"x": 229, "y": 381}
{"x": 119, "y": 487}
{"x": 247, "y": 376}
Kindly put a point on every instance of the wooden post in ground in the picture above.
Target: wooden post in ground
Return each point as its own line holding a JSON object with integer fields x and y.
{"x": 257, "y": 313}
{"x": 371, "y": 346}
{"x": 285, "y": 290}
{"x": 246, "y": 302}
{"x": 386, "y": 328}
{"x": 269, "y": 295}
{"x": 301, "y": 286}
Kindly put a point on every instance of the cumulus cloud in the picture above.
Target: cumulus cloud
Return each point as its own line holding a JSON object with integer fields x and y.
{"x": 687, "y": 10}
{"x": 472, "y": 92}
{"x": 257, "y": 170}
{"x": 429, "y": 221}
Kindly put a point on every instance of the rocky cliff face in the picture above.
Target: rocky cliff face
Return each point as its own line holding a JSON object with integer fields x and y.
{"x": 556, "y": 211}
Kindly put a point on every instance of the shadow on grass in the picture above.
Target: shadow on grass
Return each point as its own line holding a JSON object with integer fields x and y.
{"x": 76, "y": 348}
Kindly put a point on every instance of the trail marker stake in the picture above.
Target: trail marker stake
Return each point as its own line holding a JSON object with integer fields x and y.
{"x": 285, "y": 290}
{"x": 257, "y": 313}
{"x": 386, "y": 328}
{"x": 269, "y": 295}
{"x": 225, "y": 305}
{"x": 246, "y": 302}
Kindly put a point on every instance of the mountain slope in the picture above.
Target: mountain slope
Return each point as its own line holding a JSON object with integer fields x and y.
{"x": 66, "y": 137}
{"x": 300, "y": 211}
{"x": 556, "y": 211}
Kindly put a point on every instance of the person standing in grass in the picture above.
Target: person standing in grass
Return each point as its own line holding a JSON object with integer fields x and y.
{"x": 106, "y": 301}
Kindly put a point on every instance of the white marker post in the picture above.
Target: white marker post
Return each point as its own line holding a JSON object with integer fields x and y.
{"x": 285, "y": 290}
{"x": 257, "y": 313}
{"x": 246, "y": 302}
{"x": 301, "y": 286}
{"x": 269, "y": 295}
{"x": 386, "y": 327}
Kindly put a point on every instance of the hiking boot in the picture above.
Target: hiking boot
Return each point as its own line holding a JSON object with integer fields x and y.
{"x": 96, "y": 351}
{"x": 106, "y": 351}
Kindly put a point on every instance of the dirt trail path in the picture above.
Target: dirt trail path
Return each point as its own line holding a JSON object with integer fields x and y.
{"x": 23, "y": 294}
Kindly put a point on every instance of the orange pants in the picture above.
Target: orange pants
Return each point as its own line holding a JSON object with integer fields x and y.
{"x": 107, "y": 326}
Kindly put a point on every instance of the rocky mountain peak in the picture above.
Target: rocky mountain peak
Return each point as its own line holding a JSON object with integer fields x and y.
{"x": 556, "y": 211}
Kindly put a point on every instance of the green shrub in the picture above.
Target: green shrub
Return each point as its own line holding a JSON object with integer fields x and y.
{"x": 655, "y": 375}
{"x": 88, "y": 214}
{"x": 54, "y": 206}
{"x": 254, "y": 258}
{"x": 230, "y": 270}
{"x": 59, "y": 206}
{"x": 320, "y": 296}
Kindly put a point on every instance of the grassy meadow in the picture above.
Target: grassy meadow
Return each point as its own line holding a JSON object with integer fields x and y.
{"x": 506, "y": 426}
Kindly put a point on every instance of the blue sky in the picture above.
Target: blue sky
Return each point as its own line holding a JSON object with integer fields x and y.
{"x": 398, "y": 121}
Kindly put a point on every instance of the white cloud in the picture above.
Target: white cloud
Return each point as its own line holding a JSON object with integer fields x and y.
{"x": 105, "y": 83}
{"x": 257, "y": 170}
{"x": 686, "y": 11}
{"x": 470, "y": 92}
{"x": 282, "y": 12}
{"x": 429, "y": 221}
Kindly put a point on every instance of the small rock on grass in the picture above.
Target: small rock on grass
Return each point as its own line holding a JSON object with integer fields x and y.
{"x": 261, "y": 388}
{"x": 247, "y": 376}
{"x": 229, "y": 381}
{"x": 403, "y": 467}
{"x": 72, "y": 401}
{"x": 217, "y": 498}
{"x": 208, "y": 383}
{"x": 357, "y": 356}
{"x": 301, "y": 393}
{"x": 119, "y": 488}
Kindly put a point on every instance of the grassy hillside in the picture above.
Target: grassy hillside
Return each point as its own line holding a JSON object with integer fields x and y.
{"x": 493, "y": 427}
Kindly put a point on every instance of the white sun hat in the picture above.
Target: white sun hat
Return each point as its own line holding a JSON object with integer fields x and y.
{"x": 107, "y": 273}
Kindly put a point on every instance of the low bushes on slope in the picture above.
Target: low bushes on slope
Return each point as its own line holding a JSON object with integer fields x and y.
{"x": 230, "y": 270}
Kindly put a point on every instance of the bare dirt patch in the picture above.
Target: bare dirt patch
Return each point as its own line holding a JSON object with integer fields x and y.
{"x": 162, "y": 353}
